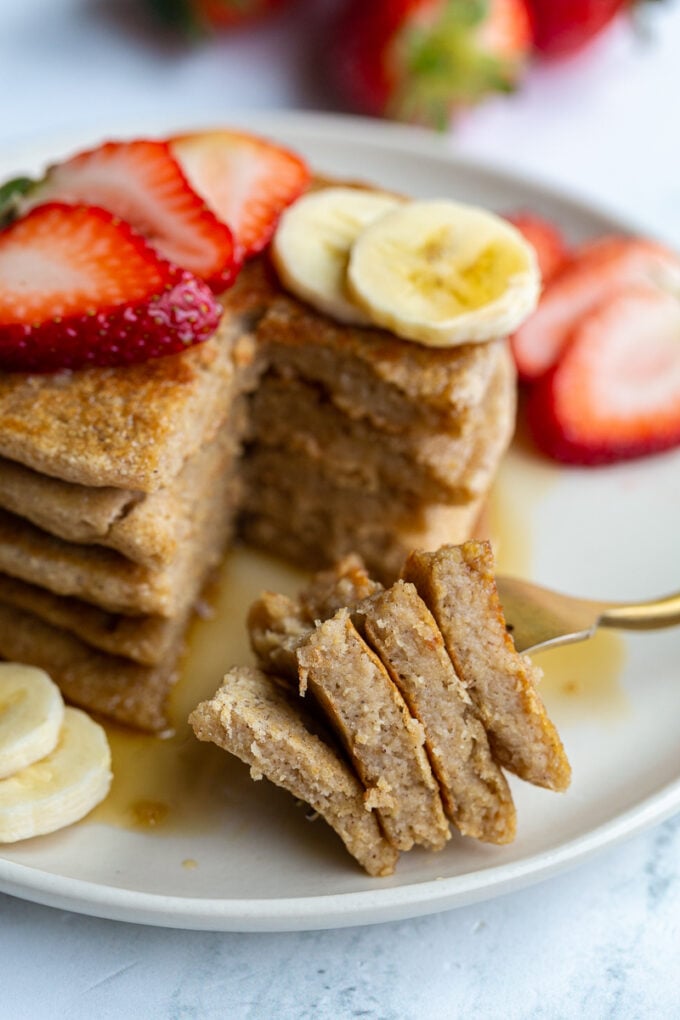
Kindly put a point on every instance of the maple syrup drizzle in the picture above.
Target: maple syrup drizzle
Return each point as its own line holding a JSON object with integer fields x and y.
{"x": 172, "y": 783}
{"x": 582, "y": 681}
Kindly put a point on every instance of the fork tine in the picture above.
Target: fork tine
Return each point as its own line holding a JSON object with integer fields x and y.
{"x": 539, "y": 618}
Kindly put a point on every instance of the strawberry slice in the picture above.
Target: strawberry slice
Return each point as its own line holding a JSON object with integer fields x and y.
{"x": 615, "y": 393}
{"x": 140, "y": 182}
{"x": 245, "y": 180}
{"x": 547, "y": 240}
{"x": 596, "y": 270}
{"x": 78, "y": 287}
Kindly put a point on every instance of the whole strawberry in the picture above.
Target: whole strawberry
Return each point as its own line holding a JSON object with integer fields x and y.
{"x": 421, "y": 60}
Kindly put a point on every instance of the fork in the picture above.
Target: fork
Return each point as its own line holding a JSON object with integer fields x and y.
{"x": 538, "y": 618}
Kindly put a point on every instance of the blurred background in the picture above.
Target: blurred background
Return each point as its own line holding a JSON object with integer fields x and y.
{"x": 595, "y": 82}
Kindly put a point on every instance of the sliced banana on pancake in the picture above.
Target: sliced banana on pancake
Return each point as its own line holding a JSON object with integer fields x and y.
{"x": 62, "y": 787}
{"x": 31, "y": 715}
{"x": 442, "y": 273}
{"x": 312, "y": 243}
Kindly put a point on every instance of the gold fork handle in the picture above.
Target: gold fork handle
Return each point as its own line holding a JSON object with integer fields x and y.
{"x": 645, "y": 615}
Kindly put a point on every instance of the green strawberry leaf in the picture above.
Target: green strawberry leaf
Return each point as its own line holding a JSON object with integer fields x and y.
{"x": 179, "y": 16}
{"x": 10, "y": 194}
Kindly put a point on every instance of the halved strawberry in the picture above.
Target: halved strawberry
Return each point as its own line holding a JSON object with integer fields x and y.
{"x": 615, "y": 393}
{"x": 245, "y": 180}
{"x": 142, "y": 183}
{"x": 547, "y": 240}
{"x": 78, "y": 287}
{"x": 595, "y": 271}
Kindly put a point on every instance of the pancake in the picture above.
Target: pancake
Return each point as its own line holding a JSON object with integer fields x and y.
{"x": 369, "y": 373}
{"x": 296, "y": 416}
{"x": 106, "y": 578}
{"x": 399, "y": 627}
{"x": 108, "y": 684}
{"x": 253, "y": 717}
{"x": 144, "y": 639}
{"x": 385, "y": 743}
{"x": 132, "y": 427}
{"x": 459, "y": 588}
{"x": 115, "y": 504}
{"x": 145, "y": 528}
{"x": 290, "y": 510}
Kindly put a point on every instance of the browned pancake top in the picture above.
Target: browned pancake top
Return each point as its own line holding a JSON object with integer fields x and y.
{"x": 130, "y": 427}
{"x": 445, "y": 379}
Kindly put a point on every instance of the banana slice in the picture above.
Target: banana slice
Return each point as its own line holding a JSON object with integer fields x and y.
{"x": 443, "y": 273}
{"x": 63, "y": 787}
{"x": 31, "y": 715}
{"x": 312, "y": 244}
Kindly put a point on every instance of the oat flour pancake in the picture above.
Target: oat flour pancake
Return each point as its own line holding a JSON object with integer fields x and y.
{"x": 147, "y": 528}
{"x": 260, "y": 722}
{"x": 458, "y": 585}
{"x": 131, "y": 427}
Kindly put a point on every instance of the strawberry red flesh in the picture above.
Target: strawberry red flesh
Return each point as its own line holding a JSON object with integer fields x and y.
{"x": 546, "y": 239}
{"x": 226, "y": 13}
{"x": 595, "y": 271}
{"x": 246, "y": 181}
{"x": 79, "y": 287}
{"x": 141, "y": 182}
{"x": 561, "y": 27}
{"x": 615, "y": 394}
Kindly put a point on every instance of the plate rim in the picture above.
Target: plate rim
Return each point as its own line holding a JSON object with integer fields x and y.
{"x": 339, "y": 909}
{"x": 374, "y": 905}
{"x": 373, "y": 132}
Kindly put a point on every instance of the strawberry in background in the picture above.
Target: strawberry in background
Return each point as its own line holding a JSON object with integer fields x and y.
{"x": 421, "y": 60}
{"x": 194, "y": 17}
{"x": 546, "y": 239}
{"x": 561, "y": 27}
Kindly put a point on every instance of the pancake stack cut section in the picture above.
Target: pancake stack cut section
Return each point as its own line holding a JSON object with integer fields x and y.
{"x": 361, "y": 442}
{"x": 412, "y": 680}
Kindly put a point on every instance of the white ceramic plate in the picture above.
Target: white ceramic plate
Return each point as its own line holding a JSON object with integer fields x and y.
{"x": 257, "y": 863}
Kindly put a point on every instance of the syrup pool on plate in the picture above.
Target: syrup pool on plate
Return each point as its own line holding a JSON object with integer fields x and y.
{"x": 580, "y": 681}
{"x": 174, "y": 783}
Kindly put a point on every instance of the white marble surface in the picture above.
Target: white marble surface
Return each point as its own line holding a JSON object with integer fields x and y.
{"x": 601, "y": 941}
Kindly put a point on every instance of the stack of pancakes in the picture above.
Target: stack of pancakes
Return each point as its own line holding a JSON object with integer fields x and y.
{"x": 362, "y": 442}
{"x": 118, "y": 490}
{"x": 120, "y": 487}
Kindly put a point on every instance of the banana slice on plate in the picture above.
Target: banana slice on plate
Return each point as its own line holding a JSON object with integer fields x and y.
{"x": 442, "y": 273}
{"x": 312, "y": 243}
{"x": 31, "y": 715}
{"x": 61, "y": 788}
